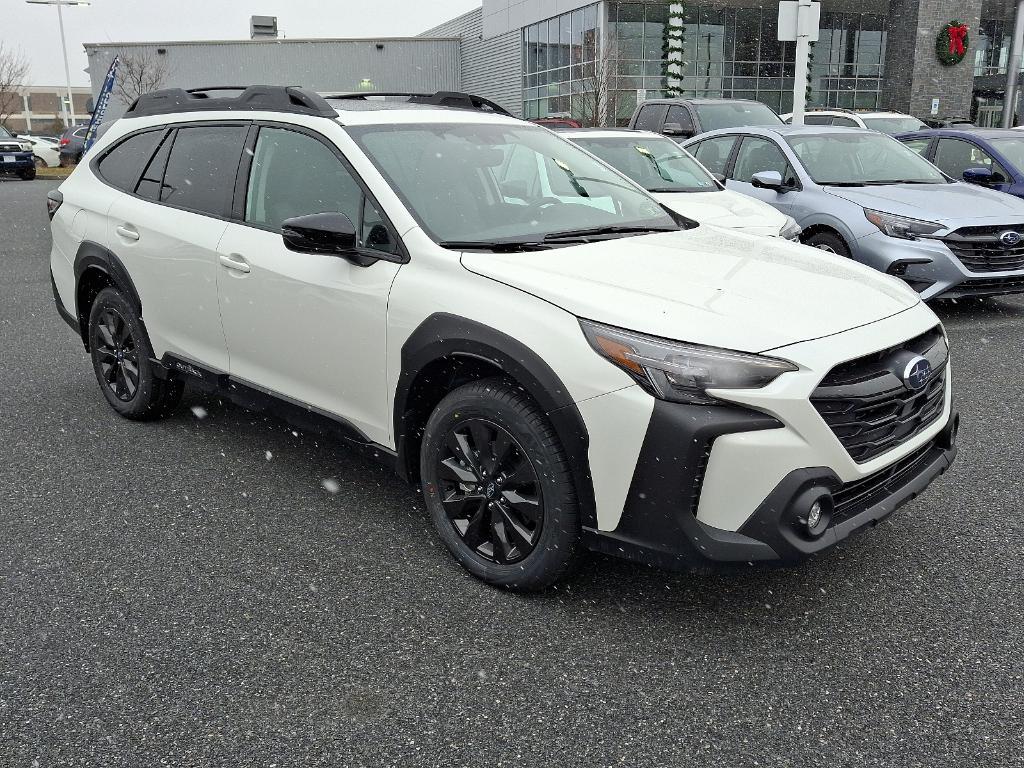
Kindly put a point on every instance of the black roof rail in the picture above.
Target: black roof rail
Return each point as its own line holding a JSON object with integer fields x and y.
{"x": 251, "y": 98}
{"x": 455, "y": 99}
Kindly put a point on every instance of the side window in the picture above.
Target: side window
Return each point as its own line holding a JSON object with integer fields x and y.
{"x": 845, "y": 122}
{"x": 153, "y": 175}
{"x": 650, "y": 117}
{"x": 294, "y": 174}
{"x": 816, "y": 120}
{"x": 954, "y": 156}
{"x": 682, "y": 116}
{"x": 122, "y": 165}
{"x": 758, "y": 155}
{"x": 713, "y": 154}
{"x": 201, "y": 170}
{"x": 918, "y": 145}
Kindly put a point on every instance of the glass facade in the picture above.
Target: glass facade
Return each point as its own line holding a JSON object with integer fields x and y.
{"x": 560, "y": 73}
{"x": 729, "y": 50}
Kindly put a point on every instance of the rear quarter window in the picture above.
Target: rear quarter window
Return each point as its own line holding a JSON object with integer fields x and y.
{"x": 122, "y": 165}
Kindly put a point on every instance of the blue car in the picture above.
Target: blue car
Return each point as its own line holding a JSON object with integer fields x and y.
{"x": 989, "y": 157}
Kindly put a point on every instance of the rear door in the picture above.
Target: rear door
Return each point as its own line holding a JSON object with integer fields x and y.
{"x": 167, "y": 230}
{"x": 310, "y": 327}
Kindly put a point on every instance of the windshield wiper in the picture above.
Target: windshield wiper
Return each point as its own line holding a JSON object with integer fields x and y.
{"x": 498, "y": 246}
{"x": 584, "y": 235}
{"x": 842, "y": 183}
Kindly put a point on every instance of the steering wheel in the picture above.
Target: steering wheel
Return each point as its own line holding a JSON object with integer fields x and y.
{"x": 540, "y": 206}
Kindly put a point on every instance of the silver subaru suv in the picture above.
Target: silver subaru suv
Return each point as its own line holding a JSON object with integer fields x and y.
{"x": 862, "y": 194}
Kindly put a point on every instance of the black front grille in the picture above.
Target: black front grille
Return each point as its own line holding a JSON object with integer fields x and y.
{"x": 11, "y": 148}
{"x": 989, "y": 286}
{"x": 979, "y": 249}
{"x": 853, "y": 498}
{"x": 867, "y": 405}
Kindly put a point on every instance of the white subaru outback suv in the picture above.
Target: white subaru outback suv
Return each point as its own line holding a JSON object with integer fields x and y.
{"x": 554, "y": 357}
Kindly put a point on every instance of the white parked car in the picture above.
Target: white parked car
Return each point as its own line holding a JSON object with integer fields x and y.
{"x": 554, "y": 358}
{"x": 674, "y": 178}
{"x": 891, "y": 123}
{"x": 45, "y": 151}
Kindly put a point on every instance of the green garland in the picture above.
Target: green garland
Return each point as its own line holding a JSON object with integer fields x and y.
{"x": 673, "y": 42}
{"x": 948, "y": 51}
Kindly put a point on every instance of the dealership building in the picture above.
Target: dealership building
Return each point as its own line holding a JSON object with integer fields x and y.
{"x": 594, "y": 61}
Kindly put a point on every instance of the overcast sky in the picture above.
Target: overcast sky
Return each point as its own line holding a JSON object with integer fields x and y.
{"x": 33, "y": 28}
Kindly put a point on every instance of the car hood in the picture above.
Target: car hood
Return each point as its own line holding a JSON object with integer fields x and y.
{"x": 705, "y": 285}
{"x": 951, "y": 204}
{"x": 725, "y": 208}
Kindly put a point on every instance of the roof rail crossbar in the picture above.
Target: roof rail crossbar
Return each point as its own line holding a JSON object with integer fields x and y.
{"x": 455, "y": 99}
{"x": 267, "y": 98}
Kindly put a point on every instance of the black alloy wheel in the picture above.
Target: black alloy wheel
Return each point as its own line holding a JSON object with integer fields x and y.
{"x": 122, "y": 359}
{"x": 490, "y": 491}
{"x": 118, "y": 355}
{"x": 498, "y": 486}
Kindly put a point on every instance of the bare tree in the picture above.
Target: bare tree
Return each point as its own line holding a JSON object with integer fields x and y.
{"x": 139, "y": 72}
{"x": 596, "y": 103}
{"x": 13, "y": 72}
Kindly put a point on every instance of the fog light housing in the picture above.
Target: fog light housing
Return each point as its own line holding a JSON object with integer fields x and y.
{"x": 814, "y": 512}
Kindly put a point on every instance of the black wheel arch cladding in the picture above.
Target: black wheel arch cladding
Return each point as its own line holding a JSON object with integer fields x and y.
{"x": 90, "y": 257}
{"x": 458, "y": 342}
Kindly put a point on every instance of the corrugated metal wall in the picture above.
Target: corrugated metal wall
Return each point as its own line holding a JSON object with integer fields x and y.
{"x": 491, "y": 68}
{"x": 404, "y": 64}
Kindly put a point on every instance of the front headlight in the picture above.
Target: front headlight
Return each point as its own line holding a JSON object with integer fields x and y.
{"x": 682, "y": 373}
{"x": 790, "y": 230}
{"x": 25, "y": 146}
{"x": 900, "y": 226}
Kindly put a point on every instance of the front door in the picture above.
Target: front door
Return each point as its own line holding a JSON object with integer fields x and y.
{"x": 310, "y": 327}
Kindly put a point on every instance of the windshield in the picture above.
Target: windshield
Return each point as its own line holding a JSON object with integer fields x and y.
{"x": 735, "y": 114}
{"x": 468, "y": 182}
{"x": 856, "y": 159}
{"x": 4, "y": 133}
{"x": 658, "y": 165}
{"x": 1011, "y": 149}
{"x": 893, "y": 125}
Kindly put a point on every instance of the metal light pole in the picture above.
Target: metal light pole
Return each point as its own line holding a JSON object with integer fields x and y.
{"x": 67, "y": 109}
{"x": 1013, "y": 67}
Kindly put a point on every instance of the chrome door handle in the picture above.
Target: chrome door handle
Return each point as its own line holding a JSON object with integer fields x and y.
{"x": 128, "y": 232}
{"x": 234, "y": 261}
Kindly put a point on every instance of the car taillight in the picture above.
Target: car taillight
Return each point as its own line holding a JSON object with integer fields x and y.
{"x": 53, "y": 200}
{"x": 64, "y": 142}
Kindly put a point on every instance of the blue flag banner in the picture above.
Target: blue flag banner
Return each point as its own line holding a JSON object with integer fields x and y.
{"x": 102, "y": 100}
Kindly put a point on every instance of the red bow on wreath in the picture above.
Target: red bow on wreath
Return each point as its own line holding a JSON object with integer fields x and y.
{"x": 956, "y": 40}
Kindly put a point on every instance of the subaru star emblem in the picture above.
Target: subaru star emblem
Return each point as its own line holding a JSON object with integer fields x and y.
{"x": 915, "y": 375}
{"x": 1010, "y": 238}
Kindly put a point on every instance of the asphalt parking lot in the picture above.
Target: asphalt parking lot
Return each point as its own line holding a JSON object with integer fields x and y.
{"x": 189, "y": 593}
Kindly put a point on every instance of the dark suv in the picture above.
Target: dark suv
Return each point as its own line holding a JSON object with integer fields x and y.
{"x": 684, "y": 118}
{"x": 16, "y": 156}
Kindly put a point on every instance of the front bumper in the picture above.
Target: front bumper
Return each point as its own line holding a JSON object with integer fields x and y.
{"x": 22, "y": 161}
{"x": 930, "y": 268}
{"x": 659, "y": 527}
{"x": 703, "y": 481}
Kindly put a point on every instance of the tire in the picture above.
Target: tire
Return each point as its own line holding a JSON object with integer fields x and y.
{"x": 122, "y": 360}
{"x": 40, "y": 163}
{"x": 27, "y": 175}
{"x": 496, "y": 482}
{"x": 830, "y": 242}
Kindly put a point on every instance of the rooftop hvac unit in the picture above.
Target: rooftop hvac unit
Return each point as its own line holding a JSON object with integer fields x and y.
{"x": 262, "y": 26}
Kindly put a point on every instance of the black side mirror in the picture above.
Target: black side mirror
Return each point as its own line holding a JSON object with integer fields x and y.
{"x": 980, "y": 176}
{"x": 327, "y": 233}
{"x": 676, "y": 129}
